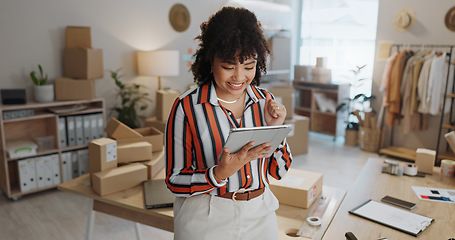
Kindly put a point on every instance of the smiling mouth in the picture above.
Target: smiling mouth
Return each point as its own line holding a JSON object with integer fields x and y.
{"x": 236, "y": 85}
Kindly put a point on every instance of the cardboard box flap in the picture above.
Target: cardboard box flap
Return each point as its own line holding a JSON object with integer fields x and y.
{"x": 118, "y": 130}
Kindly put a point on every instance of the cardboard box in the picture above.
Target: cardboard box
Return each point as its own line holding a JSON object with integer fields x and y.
{"x": 298, "y": 137}
{"x": 297, "y": 188}
{"x": 78, "y": 37}
{"x": 83, "y": 63}
{"x": 119, "y": 179}
{"x": 285, "y": 96}
{"x": 155, "y": 165}
{"x": 164, "y": 101}
{"x": 425, "y": 160}
{"x": 70, "y": 89}
{"x": 118, "y": 130}
{"x": 153, "y": 136}
{"x": 102, "y": 155}
{"x": 133, "y": 152}
{"x": 154, "y": 122}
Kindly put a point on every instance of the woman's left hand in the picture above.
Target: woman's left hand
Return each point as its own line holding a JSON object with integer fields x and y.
{"x": 274, "y": 112}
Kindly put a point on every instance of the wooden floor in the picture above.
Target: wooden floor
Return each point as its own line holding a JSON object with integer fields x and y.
{"x": 58, "y": 215}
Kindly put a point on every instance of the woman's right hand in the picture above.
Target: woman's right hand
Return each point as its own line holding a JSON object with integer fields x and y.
{"x": 231, "y": 163}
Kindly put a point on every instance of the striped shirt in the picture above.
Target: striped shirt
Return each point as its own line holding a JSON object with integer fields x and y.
{"x": 195, "y": 134}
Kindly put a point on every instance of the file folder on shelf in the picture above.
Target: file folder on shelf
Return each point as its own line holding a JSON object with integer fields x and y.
{"x": 82, "y": 156}
{"x": 79, "y": 129}
{"x": 62, "y": 131}
{"x": 87, "y": 129}
{"x": 74, "y": 164}
{"x": 27, "y": 174}
{"x": 54, "y": 165}
{"x": 67, "y": 173}
{"x": 71, "y": 130}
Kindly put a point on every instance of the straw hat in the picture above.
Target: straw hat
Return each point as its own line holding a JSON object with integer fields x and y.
{"x": 179, "y": 17}
{"x": 450, "y": 19}
{"x": 404, "y": 20}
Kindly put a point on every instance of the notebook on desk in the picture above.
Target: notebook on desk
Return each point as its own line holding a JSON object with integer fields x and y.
{"x": 156, "y": 194}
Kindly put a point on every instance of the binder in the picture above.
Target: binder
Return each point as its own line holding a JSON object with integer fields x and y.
{"x": 74, "y": 164}
{"x": 54, "y": 166}
{"x": 71, "y": 130}
{"x": 67, "y": 173}
{"x": 43, "y": 173}
{"x": 100, "y": 119}
{"x": 62, "y": 131}
{"x": 27, "y": 174}
{"x": 87, "y": 129}
{"x": 79, "y": 130}
{"x": 94, "y": 126}
{"x": 82, "y": 156}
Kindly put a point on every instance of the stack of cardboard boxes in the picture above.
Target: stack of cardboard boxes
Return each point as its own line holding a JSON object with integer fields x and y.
{"x": 125, "y": 158}
{"x": 82, "y": 65}
{"x": 298, "y": 137}
{"x": 164, "y": 101}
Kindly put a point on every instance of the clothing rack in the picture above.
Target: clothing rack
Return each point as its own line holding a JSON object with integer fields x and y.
{"x": 409, "y": 154}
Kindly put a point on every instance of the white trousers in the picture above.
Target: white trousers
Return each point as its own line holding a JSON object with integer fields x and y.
{"x": 211, "y": 217}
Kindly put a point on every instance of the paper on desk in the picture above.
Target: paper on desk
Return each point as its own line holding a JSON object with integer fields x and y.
{"x": 435, "y": 194}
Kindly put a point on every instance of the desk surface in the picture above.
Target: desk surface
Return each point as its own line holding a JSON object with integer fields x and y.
{"x": 372, "y": 184}
{"x": 129, "y": 204}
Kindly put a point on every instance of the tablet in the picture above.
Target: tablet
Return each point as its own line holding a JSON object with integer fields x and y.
{"x": 156, "y": 194}
{"x": 239, "y": 137}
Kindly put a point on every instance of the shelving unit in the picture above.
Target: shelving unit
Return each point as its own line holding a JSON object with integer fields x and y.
{"x": 328, "y": 123}
{"x": 410, "y": 154}
{"x": 42, "y": 123}
{"x": 449, "y": 124}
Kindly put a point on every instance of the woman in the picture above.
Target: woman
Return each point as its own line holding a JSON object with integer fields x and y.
{"x": 222, "y": 195}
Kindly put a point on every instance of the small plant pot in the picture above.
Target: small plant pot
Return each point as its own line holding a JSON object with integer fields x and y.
{"x": 351, "y": 137}
{"x": 44, "y": 93}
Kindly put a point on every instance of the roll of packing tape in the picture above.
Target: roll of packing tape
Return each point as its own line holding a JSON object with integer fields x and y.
{"x": 410, "y": 169}
{"x": 314, "y": 221}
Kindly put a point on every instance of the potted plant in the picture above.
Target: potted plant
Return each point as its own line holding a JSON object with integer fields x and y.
{"x": 355, "y": 107}
{"x": 133, "y": 100}
{"x": 42, "y": 91}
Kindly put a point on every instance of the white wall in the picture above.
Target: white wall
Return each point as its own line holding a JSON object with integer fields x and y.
{"x": 429, "y": 29}
{"x": 32, "y": 32}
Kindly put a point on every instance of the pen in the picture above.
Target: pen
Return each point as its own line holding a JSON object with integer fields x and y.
{"x": 350, "y": 236}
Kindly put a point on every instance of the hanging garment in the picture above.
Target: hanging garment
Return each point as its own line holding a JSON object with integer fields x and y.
{"x": 415, "y": 80}
{"x": 436, "y": 84}
{"x": 386, "y": 76}
{"x": 394, "y": 87}
{"x": 422, "y": 86}
{"x": 410, "y": 122}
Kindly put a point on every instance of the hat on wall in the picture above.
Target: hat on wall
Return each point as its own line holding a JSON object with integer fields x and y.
{"x": 179, "y": 17}
{"x": 450, "y": 19}
{"x": 404, "y": 19}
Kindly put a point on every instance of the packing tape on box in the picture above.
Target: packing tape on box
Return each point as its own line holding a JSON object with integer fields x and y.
{"x": 410, "y": 169}
{"x": 314, "y": 221}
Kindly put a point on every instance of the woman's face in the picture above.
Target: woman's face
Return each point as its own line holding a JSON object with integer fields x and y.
{"x": 232, "y": 78}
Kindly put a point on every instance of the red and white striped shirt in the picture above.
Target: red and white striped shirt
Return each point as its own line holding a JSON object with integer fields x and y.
{"x": 196, "y": 131}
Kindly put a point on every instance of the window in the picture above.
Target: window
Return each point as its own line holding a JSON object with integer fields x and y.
{"x": 343, "y": 32}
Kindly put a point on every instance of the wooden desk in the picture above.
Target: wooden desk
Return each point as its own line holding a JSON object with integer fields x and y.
{"x": 129, "y": 204}
{"x": 372, "y": 184}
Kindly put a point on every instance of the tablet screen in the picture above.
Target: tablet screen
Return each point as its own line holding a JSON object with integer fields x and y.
{"x": 239, "y": 137}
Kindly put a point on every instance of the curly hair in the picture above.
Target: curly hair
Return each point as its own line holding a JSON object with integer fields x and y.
{"x": 232, "y": 34}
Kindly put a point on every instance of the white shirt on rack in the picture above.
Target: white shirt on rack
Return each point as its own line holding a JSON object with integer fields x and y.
{"x": 422, "y": 86}
{"x": 436, "y": 83}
